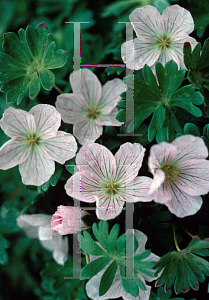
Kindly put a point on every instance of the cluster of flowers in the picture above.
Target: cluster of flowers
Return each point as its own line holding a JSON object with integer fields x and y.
{"x": 180, "y": 168}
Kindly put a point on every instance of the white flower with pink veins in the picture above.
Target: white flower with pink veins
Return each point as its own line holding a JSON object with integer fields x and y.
{"x": 90, "y": 106}
{"x": 35, "y": 143}
{"x": 159, "y": 37}
{"x": 109, "y": 180}
{"x": 181, "y": 174}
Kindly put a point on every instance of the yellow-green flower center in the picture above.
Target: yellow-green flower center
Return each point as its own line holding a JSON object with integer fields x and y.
{"x": 163, "y": 42}
{"x": 33, "y": 139}
{"x": 93, "y": 112}
{"x": 171, "y": 173}
{"x": 112, "y": 187}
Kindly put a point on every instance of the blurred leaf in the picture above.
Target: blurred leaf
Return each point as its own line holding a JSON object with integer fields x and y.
{"x": 184, "y": 269}
{"x": 3, "y": 254}
{"x": 162, "y": 295}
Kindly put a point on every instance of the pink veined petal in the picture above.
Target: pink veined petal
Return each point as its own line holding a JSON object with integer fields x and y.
{"x": 87, "y": 130}
{"x": 137, "y": 191}
{"x": 109, "y": 207}
{"x": 189, "y": 146}
{"x": 36, "y": 170}
{"x": 96, "y": 159}
{"x": 160, "y": 155}
{"x": 111, "y": 95}
{"x": 109, "y": 119}
{"x": 61, "y": 248}
{"x": 159, "y": 178}
{"x": 129, "y": 160}
{"x": 146, "y": 22}
{"x": 47, "y": 119}
{"x": 17, "y": 122}
{"x": 176, "y": 19}
{"x": 13, "y": 153}
{"x": 163, "y": 193}
{"x": 83, "y": 186}
{"x": 182, "y": 204}
{"x": 194, "y": 177}
{"x": 70, "y": 107}
{"x": 60, "y": 148}
{"x": 169, "y": 54}
{"x": 86, "y": 82}
{"x": 136, "y": 54}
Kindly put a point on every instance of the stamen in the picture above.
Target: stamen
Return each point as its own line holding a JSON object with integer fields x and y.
{"x": 93, "y": 112}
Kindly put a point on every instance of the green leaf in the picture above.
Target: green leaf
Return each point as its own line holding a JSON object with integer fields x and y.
{"x": 185, "y": 268}
{"x": 3, "y": 254}
{"x": 107, "y": 278}
{"x": 191, "y": 58}
{"x": 162, "y": 295}
{"x": 95, "y": 266}
{"x": 89, "y": 246}
{"x": 190, "y": 128}
{"x": 26, "y": 60}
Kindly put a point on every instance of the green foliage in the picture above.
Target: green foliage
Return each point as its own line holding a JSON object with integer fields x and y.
{"x": 184, "y": 269}
{"x": 112, "y": 249}
{"x": 159, "y": 100}
{"x": 3, "y": 254}
{"x": 162, "y": 295}
{"x": 26, "y": 62}
{"x": 53, "y": 180}
{"x": 56, "y": 284}
{"x": 197, "y": 63}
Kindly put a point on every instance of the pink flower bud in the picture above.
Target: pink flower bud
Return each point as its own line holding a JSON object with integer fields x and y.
{"x": 67, "y": 220}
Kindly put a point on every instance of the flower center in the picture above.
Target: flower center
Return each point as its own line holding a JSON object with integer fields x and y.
{"x": 33, "y": 139}
{"x": 171, "y": 173}
{"x": 112, "y": 187}
{"x": 93, "y": 112}
{"x": 164, "y": 42}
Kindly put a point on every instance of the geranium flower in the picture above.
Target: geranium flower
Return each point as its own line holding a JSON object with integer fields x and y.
{"x": 90, "y": 106}
{"x": 159, "y": 37}
{"x": 109, "y": 180}
{"x": 116, "y": 290}
{"x": 36, "y": 143}
{"x": 38, "y": 226}
{"x": 67, "y": 220}
{"x": 181, "y": 174}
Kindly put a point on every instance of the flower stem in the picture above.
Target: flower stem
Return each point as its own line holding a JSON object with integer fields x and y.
{"x": 58, "y": 89}
{"x": 175, "y": 239}
{"x": 14, "y": 194}
{"x": 87, "y": 259}
{"x": 192, "y": 236}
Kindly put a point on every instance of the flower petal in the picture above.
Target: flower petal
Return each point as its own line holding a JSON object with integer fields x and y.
{"x": 189, "y": 146}
{"x": 143, "y": 295}
{"x": 194, "y": 177}
{"x": 13, "y": 153}
{"x": 60, "y": 148}
{"x": 129, "y": 160}
{"x": 109, "y": 207}
{"x": 181, "y": 204}
{"x": 111, "y": 94}
{"x": 146, "y": 22}
{"x": 136, "y": 54}
{"x": 36, "y": 170}
{"x": 61, "y": 248}
{"x": 45, "y": 232}
{"x": 163, "y": 193}
{"x": 96, "y": 159}
{"x": 159, "y": 178}
{"x": 178, "y": 45}
{"x": 176, "y": 19}
{"x": 141, "y": 239}
{"x": 47, "y": 119}
{"x": 138, "y": 190}
{"x": 87, "y": 130}
{"x": 70, "y": 107}
{"x": 83, "y": 186}
{"x": 169, "y": 54}
{"x": 109, "y": 119}
{"x": 30, "y": 223}
{"x": 17, "y": 122}
{"x": 86, "y": 82}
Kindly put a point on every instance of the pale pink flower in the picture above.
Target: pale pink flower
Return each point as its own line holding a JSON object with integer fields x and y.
{"x": 35, "y": 142}
{"x": 181, "y": 174}
{"x": 159, "y": 37}
{"x": 90, "y": 106}
{"x": 38, "y": 226}
{"x": 67, "y": 220}
{"x": 116, "y": 290}
{"x": 109, "y": 180}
